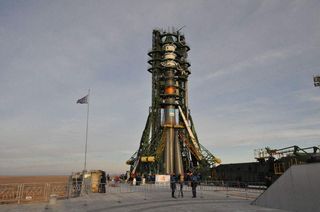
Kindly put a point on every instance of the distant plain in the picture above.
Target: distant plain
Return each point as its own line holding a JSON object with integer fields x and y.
{"x": 33, "y": 179}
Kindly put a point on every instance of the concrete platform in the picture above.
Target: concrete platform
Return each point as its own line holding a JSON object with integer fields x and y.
{"x": 296, "y": 190}
{"x": 153, "y": 201}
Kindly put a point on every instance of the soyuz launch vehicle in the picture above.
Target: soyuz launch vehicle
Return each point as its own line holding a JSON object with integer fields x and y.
{"x": 169, "y": 143}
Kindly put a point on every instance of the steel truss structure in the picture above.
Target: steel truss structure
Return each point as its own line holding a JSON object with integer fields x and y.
{"x": 169, "y": 142}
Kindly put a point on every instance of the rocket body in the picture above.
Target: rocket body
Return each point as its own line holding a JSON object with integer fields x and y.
{"x": 172, "y": 154}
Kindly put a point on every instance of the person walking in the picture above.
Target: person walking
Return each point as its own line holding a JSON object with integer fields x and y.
{"x": 173, "y": 186}
{"x": 194, "y": 183}
{"x": 181, "y": 181}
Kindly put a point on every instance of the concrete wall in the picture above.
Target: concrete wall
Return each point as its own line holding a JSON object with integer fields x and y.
{"x": 298, "y": 189}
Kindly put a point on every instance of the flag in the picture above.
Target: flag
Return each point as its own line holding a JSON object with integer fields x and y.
{"x": 83, "y": 100}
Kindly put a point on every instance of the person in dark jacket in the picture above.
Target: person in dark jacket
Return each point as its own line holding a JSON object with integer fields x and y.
{"x": 102, "y": 185}
{"x": 194, "y": 183}
{"x": 173, "y": 186}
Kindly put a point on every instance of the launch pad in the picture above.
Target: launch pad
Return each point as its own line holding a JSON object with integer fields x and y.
{"x": 147, "y": 200}
{"x": 169, "y": 142}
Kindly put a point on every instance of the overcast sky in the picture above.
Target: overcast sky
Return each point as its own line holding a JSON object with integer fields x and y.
{"x": 251, "y": 85}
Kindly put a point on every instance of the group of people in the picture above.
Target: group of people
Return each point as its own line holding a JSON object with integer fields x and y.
{"x": 191, "y": 179}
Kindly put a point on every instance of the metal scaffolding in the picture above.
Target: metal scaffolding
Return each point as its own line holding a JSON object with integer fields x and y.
{"x": 169, "y": 143}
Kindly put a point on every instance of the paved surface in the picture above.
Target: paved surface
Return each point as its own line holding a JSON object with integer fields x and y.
{"x": 155, "y": 201}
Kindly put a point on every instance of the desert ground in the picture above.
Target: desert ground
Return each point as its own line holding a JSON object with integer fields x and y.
{"x": 32, "y": 179}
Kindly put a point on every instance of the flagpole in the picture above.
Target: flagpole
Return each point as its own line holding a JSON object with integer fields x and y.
{"x": 83, "y": 184}
{"x": 85, "y": 100}
{"x": 85, "y": 149}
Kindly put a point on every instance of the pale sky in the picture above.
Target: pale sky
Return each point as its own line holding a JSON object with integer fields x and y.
{"x": 251, "y": 86}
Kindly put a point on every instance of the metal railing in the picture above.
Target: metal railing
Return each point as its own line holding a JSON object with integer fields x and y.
{"x": 249, "y": 187}
{"x": 42, "y": 192}
{"x": 32, "y": 192}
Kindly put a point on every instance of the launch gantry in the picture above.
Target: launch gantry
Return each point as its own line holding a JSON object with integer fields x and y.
{"x": 169, "y": 143}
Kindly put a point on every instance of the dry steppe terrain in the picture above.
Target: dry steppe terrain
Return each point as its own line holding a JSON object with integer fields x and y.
{"x": 32, "y": 179}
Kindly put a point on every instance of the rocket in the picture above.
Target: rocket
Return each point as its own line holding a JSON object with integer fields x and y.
{"x": 169, "y": 143}
{"x": 172, "y": 153}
